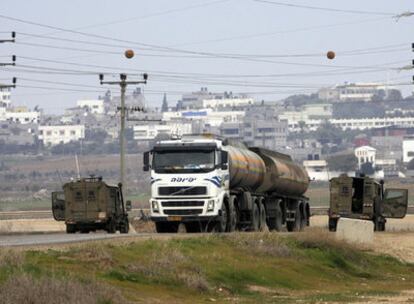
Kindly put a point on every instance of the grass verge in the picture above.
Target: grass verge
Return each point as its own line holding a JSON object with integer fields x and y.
{"x": 246, "y": 268}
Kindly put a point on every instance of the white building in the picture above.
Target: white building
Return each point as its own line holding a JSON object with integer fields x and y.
{"x": 317, "y": 169}
{"x": 95, "y": 106}
{"x": 150, "y": 132}
{"x": 352, "y": 92}
{"x": 365, "y": 154}
{"x": 354, "y": 124}
{"x": 408, "y": 148}
{"x": 226, "y": 102}
{"x": 208, "y": 116}
{"x": 5, "y": 98}
{"x": 23, "y": 117}
{"x": 61, "y": 134}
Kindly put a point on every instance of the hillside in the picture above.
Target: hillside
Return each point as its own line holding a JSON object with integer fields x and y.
{"x": 270, "y": 268}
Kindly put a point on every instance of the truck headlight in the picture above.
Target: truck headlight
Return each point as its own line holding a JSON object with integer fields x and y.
{"x": 102, "y": 215}
{"x": 154, "y": 206}
{"x": 210, "y": 205}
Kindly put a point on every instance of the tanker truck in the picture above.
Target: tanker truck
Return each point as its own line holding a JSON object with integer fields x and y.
{"x": 208, "y": 183}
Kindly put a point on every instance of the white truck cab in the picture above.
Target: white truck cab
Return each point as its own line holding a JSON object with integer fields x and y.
{"x": 189, "y": 182}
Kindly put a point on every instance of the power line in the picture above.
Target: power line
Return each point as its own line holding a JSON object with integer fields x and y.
{"x": 327, "y": 9}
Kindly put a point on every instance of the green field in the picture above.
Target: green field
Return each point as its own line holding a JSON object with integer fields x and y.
{"x": 308, "y": 267}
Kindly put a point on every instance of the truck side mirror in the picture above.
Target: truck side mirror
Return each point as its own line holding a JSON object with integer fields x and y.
{"x": 146, "y": 166}
{"x": 224, "y": 160}
{"x": 128, "y": 206}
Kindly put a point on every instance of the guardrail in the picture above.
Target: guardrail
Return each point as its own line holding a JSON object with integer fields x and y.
{"x": 36, "y": 214}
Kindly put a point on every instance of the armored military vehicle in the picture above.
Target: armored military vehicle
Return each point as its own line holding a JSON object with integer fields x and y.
{"x": 89, "y": 204}
{"x": 365, "y": 198}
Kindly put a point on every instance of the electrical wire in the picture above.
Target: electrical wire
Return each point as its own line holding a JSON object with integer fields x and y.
{"x": 327, "y": 9}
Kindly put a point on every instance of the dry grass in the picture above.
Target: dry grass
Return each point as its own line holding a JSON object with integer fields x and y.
{"x": 11, "y": 258}
{"x": 171, "y": 264}
{"x": 95, "y": 253}
{"x": 141, "y": 226}
{"x": 24, "y": 289}
{"x": 269, "y": 244}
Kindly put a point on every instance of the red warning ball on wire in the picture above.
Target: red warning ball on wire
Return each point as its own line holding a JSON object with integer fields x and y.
{"x": 330, "y": 55}
{"x": 129, "y": 54}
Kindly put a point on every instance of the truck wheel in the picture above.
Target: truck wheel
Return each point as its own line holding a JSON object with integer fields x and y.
{"x": 166, "y": 227}
{"x": 222, "y": 223}
{"x": 262, "y": 222}
{"x": 332, "y": 223}
{"x": 296, "y": 224}
{"x": 124, "y": 227}
{"x": 233, "y": 218}
{"x": 111, "y": 226}
{"x": 70, "y": 228}
{"x": 276, "y": 223}
{"x": 379, "y": 224}
{"x": 255, "y": 218}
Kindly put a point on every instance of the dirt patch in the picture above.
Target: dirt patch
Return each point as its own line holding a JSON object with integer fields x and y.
{"x": 400, "y": 245}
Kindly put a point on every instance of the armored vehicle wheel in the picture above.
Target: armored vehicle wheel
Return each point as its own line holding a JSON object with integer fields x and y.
{"x": 111, "y": 226}
{"x": 124, "y": 227}
{"x": 296, "y": 224}
{"x": 70, "y": 228}
{"x": 262, "y": 222}
{"x": 255, "y": 218}
{"x": 84, "y": 230}
{"x": 166, "y": 227}
{"x": 379, "y": 224}
{"x": 223, "y": 221}
{"x": 332, "y": 223}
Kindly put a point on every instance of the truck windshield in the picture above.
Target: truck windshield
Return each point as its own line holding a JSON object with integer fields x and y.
{"x": 183, "y": 161}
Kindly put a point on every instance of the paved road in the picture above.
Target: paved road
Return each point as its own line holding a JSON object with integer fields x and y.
{"x": 58, "y": 238}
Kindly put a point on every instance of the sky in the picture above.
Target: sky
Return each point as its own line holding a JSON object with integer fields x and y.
{"x": 269, "y": 49}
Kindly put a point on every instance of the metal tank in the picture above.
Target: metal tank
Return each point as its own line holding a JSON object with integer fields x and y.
{"x": 263, "y": 170}
{"x": 247, "y": 169}
{"x": 282, "y": 176}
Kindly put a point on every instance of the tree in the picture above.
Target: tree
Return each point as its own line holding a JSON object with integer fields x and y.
{"x": 378, "y": 96}
{"x": 328, "y": 133}
{"x": 164, "y": 107}
{"x": 394, "y": 95}
{"x": 367, "y": 168}
{"x": 342, "y": 163}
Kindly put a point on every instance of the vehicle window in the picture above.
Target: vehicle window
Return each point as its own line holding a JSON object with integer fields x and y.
{"x": 391, "y": 194}
{"x": 91, "y": 195}
{"x": 78, "y": 196}
{"x": 345, "y": 191}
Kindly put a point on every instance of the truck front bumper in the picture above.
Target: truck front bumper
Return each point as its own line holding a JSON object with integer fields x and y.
{"x": 185, "y": 219}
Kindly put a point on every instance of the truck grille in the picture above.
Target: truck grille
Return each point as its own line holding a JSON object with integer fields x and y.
{"x": 182, "y": 190}
{"x": 183, "y": 211}
{"x": 182, "y": 203}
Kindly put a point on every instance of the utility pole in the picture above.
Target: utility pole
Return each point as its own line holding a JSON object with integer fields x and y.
{"x": 13, "y": 63}
{"x": 8, "y": 86}
{"x": 13, "y": 35}
{"x": 123, "y": 83}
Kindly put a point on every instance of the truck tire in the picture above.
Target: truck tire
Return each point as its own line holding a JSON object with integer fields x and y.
{"x": 276, "y": 222}
{"x": 296, "y": 224}
{"x": 379, "y": 224}
{"x": 332, "y": 223}
{"x": 124, "y": 227}
{"x": 262, "y": 222}
{"x": 70, "y": 228}
{"x": 223, "y": 221}
{"x": 111, "y": 226}
{"x": 166, "y": 227}
{"x": 255, "y": 220}
{"x": 233, "y": 217}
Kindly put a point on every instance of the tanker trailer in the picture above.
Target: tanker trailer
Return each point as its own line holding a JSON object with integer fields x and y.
{"x": 208, "y": 183}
